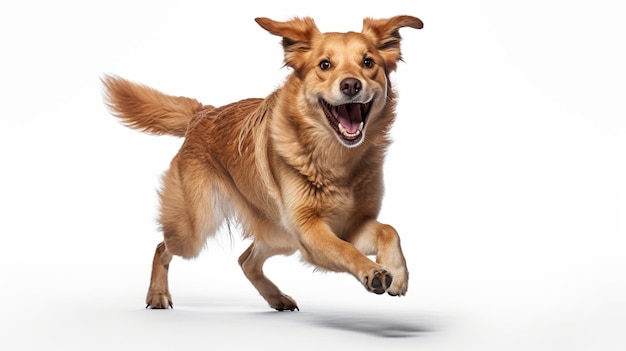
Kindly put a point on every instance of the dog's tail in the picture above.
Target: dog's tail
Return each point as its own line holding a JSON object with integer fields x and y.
{"x": 146, "y": 109}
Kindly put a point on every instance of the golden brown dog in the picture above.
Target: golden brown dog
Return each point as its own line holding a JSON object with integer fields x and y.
{"x": 301, "y": 170}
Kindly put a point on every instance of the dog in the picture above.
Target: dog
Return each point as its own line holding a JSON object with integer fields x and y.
{"x": 300, "y": 170}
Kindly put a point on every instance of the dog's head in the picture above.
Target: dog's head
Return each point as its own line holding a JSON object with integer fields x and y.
{"x": 345, "y": 75}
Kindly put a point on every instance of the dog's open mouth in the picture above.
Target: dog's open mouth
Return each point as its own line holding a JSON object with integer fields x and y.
{"x": 348, "y": 120}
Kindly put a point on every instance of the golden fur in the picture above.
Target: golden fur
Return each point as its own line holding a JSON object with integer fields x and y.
{"x": 300, "y": 170}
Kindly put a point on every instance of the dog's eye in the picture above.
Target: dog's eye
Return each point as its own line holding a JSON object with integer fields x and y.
{"x": 325, "y": 64}
{"x": 368, "y": 63}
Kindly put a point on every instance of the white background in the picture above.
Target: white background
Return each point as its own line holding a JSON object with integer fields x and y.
{"x": 506, "y": 180}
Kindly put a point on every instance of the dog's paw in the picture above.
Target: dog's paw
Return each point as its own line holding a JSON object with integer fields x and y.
{"x": 400, "y": 283}
{"x": 377, "y": 281}
{"x": 159, "y": 300}
{"x": 283, "y": 303}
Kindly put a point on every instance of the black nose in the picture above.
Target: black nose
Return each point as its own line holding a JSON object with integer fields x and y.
{"x": 350, "y": 86}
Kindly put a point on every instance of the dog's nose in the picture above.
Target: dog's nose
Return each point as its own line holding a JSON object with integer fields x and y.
{"x": 350, "y": 86}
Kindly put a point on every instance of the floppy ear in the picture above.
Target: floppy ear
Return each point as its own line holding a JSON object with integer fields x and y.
{"x": 385, "y": 33}
{"x": 297, "y": 35}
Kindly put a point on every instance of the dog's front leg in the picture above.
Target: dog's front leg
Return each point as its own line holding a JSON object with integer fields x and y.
{"x": 382, "y": 240}
{"x": 321, "y": 247}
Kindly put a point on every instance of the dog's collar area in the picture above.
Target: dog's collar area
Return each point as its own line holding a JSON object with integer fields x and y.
{"x": 348, "y": 120}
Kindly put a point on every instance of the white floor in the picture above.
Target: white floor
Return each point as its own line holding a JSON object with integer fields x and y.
{"x": 87, "y": 306}
{"x": 506, "y": 180}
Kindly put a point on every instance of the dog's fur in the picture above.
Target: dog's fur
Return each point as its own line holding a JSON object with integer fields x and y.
{"x": 295, "y": 169}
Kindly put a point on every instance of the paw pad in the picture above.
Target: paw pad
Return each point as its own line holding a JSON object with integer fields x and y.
{"x": 380, "y": 283}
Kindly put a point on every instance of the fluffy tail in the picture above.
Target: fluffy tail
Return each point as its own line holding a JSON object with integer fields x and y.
{"x": 146, "y": 109}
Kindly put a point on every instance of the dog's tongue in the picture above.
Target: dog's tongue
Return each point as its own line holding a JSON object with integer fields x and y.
{"x": 350, "y": 117}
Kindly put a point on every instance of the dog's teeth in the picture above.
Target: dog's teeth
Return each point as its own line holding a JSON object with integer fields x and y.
{"x": 342, "y": 129}
{"x": 345, "y": 132}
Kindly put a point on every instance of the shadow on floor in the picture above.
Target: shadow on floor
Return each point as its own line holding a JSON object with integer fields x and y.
{"x": 377, "y": 325}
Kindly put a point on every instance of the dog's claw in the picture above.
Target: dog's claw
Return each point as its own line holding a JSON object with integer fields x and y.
{"x": 288, "y": 308}
{"x": 292, "y": 308}
{"x": 159, "y": 301}
{"x": 283, "y": 303}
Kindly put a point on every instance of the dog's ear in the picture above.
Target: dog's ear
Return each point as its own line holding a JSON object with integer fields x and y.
{"x": 297, "y": 34}
{"x": 385, "y": 33}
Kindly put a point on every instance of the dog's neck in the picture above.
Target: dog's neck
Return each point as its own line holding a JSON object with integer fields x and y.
{"x": 316, "y": 154}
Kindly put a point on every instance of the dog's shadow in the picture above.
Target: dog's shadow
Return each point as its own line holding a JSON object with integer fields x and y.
{"x": 373, "y": 324}
{"x": 377, "y": 325}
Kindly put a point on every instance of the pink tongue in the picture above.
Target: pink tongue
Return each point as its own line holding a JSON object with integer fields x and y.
{"x": 350, "y": 117}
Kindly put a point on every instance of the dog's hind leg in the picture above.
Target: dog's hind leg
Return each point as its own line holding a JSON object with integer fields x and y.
{"x": 251, "y": 262}
{"x": 158, "y": 293}
{"x": 191, "y": 211}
